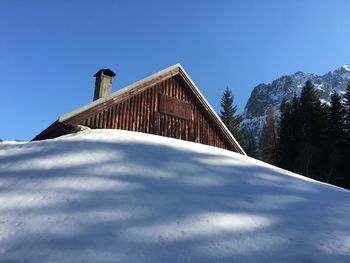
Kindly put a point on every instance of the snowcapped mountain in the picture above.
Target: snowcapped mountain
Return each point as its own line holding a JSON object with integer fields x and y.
{"x": 119, "y": 196}
{"x": 273, "y": 93}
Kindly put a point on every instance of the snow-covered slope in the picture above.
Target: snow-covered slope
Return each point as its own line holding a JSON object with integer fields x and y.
{"x": 118, "y": 196}
{"x": 265, "y": 95}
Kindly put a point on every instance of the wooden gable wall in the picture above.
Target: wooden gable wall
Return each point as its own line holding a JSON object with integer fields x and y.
{"x": 139, "y": 111}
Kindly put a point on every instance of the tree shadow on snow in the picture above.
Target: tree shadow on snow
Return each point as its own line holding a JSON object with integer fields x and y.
{"x": 94, "y": 201}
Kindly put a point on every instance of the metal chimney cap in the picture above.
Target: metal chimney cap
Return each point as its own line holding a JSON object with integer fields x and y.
{"x": 105, "y": 71}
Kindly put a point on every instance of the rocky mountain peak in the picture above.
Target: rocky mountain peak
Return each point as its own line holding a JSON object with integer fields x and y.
{"x": 265, "y": 95}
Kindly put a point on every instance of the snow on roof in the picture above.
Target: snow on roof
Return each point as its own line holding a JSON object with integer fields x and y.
{"x": 119, "y": 196}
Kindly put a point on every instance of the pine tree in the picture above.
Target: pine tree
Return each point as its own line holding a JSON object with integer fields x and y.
{"x": 228, "y": 114}
{"x": 285, "y": 137}
{"x": 313, "y": 117}
{"x": 249, "y": 143}
{"x": 347, "y": 109}
{"x": 310, "y": 106}
{"x": 336, "y": 141}
{"x": 268, "y": 138}
{"x": 337, "y": 121}
{"x": 346, "y": 159}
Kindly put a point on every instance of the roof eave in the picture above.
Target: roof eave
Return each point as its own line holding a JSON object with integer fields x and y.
{"x": 210, "y": 108}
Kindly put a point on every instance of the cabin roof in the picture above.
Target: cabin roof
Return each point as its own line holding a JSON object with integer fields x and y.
{"x": 176, "y": 69}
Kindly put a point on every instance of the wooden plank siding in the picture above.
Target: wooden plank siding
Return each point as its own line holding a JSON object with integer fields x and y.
{"x": 139, "y": 111}
{"x": 167, "y": 103}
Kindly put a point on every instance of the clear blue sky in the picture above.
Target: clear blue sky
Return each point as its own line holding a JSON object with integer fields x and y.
{"x": 49, "y": 50}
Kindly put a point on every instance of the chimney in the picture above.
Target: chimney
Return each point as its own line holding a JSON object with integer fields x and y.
{"x": 103, "y": 83}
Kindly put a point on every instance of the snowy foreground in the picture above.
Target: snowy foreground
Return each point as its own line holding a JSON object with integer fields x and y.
{"x": 118, "y": 196}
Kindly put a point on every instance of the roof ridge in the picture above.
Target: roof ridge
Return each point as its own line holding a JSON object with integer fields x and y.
{"x": 75, "y": 112}
{"x": 130, "y": 87}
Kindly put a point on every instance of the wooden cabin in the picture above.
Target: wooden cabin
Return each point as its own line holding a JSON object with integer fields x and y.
{"x": 167, "y": 103}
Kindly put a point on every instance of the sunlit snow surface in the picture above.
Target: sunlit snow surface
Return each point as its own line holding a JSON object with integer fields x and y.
{"x": 117, "y": 196}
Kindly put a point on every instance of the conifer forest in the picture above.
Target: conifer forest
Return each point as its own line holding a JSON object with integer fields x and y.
{"x": 305, "y": 135}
